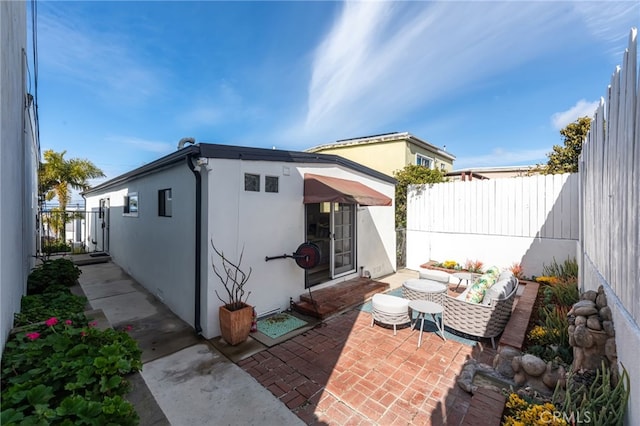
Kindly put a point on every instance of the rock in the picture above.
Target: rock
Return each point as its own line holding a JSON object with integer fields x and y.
{"x": 601, "y": 300}
{"x": 571, "y": 318}
{"x": 605, "y": 313}
{"x": 520, "y": 378}
{"x": 552, "y": 375}
{"x": 608, "y": 328}
{"x": 593, "y": 322}
{"x": 610, "y": 350}
{"x": 581, "y": 320}
{"x": 586, "y": 309}
{"x": 532, "y": 365}
{"x": 588, "y": 295}
{"x": 582, "y": 337}
{"x": 503, "y": 361}
{"x": 516, "y": 364}
{"x": 465, "y": 379}
{"x": 593, "y": 358}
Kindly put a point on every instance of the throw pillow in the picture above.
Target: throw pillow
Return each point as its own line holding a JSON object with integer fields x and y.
{"x": 480, "y": 286}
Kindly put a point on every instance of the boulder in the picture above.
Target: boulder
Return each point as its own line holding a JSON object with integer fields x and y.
{"x": 502, "y": 363}
{"x": 601, "y": 300}
{"x": 610, "y": 350}
{"x": 608, "y": 328}
{"x": 532, "y": 365}
{"x": 585, "y": 308}
{"x": 580, "y": 320}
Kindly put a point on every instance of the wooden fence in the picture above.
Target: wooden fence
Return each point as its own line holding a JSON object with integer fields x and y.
{"x": 610, "y": 178}
{"x": 541, "y": 206}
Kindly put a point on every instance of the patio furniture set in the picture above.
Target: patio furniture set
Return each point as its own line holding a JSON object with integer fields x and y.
{"x": 481, "y": 310}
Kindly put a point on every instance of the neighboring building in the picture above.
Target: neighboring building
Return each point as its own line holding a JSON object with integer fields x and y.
{"x": 390, "y": 152}
{"x": 472, "y": 173}
{"x": 157, "y": 223}
{"x": 19, "y": 153}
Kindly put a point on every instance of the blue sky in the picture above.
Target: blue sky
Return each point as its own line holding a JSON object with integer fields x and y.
{"x": 121, "y": 82}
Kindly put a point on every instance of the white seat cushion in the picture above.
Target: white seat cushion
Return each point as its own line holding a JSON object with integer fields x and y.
{"x": 389, "y": 304}
{"x": 425, "y": 286}
{"x": 499, "y": 290}
{"x": 434, "y": 275}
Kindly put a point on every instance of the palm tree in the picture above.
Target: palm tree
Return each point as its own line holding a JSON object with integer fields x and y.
{"x": 57, "y": 175}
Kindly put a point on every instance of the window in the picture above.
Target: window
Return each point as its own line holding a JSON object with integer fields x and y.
{"x": 271, "y": 183}
{"x": 251, "y": 182}
{"x": 421, "y": 160}
{"x": 164, "y": 202}
{"x": 443, "y": 167}
{"x": 131, "y": 204}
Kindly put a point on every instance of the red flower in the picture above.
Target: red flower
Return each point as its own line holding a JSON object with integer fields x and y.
{"x": 33, "y": 336}
{"x": 83, "y": 333}
{"x": 93, "y": 323}
{"x": 68, "y": 322}
{"x": 51, "y": 321}
{"x": 128, "y": 328}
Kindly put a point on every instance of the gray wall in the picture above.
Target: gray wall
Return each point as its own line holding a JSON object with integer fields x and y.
{"x": 18, "y": 164}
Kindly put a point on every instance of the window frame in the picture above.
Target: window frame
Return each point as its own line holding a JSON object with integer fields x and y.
{"x": 164, "y": 201}
{"x": 277, "y": 183}
{"x": 126, "y": 209}
{"x": 246, "y": 175}
{"x": 421, "y": 158}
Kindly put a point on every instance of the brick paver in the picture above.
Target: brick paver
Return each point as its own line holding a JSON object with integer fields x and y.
{"x": 346, "y": 372}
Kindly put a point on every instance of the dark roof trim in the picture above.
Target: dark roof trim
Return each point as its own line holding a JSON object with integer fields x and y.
{"x": 233, "y": 152}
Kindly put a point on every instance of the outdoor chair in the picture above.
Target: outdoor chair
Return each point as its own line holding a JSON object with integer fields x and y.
{"x": 485, "y": 319}
{"x": 389, "y": 310}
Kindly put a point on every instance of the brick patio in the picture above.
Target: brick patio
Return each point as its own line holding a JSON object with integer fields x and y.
{"x": 345, "y": 372}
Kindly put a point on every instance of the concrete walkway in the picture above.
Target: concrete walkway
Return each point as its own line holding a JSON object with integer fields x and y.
{"x": 184, "y": 380}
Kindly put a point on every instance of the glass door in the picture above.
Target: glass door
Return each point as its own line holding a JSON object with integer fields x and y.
{"x": 343, "y": 233}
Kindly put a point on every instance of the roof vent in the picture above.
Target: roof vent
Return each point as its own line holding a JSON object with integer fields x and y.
{"x": 185, "y": 141}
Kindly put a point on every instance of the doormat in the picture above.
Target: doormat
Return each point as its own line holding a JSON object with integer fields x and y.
{"x": 279, "y": 325}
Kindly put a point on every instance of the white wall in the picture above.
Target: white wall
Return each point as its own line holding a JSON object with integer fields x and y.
{"x": 272, "y": 224}
{"x": 18, "y": 159}
{"x": 528, "y": 220}
{"x": 158, "y": 252}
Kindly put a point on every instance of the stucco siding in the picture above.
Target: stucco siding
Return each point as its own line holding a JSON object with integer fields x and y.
{"x": 412, "y": 150}
{"x": 272, "y": 224}
{"x": 156, "y": 251}
{"x": 386, "y": 157}
{"x": 17, "y": 208}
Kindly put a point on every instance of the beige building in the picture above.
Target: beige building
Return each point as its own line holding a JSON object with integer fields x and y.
{"x": 473, "y": 173}
{"x": 389, "y": 152}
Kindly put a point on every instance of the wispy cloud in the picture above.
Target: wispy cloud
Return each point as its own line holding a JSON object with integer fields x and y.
{"x": 581, "y": 109}
{"x": 381, "y": 61}
{"x": 143, "y": 144}
{"x": 102, "y": 62}
{"x": 502, "y": 157}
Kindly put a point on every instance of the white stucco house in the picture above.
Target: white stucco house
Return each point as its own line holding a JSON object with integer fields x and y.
{"x": 157, "y": 222}
{"x": 19, "y": 154}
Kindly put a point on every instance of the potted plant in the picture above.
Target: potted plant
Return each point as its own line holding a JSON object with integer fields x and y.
{"x": 235, "y": 315}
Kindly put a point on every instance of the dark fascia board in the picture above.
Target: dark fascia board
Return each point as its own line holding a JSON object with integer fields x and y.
{"x": 232, "y": 152}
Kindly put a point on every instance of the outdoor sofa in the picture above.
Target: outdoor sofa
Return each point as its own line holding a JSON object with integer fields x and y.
{"x": 487, "y": 318}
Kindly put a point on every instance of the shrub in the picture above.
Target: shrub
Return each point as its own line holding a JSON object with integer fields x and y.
{"x": 567, "y": 271}
{"x": 516, "y": 270}
{"x": 450, "y": 264}
{"x": 65, "y": 373}
{"x": 600, "y": 398}
{"x": 56, "y": 301}
{"x": 522, "y": 412}
{"x": 56, "y": 247}
{"x": 52, "y": 272}
{"x": 473, "y": 266}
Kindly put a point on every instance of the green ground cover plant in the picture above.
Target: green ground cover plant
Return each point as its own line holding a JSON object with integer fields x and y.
{"x": 56, "y": 301}
{"x": 50, "y": 273}
{"x": 64, "y": 373}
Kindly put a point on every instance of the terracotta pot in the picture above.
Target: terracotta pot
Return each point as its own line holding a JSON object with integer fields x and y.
{"x": 235, "y": 325}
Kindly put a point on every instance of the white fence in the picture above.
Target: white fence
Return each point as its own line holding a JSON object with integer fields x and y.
{"x": 528, "y": 220}
{"x": 610, "y": 225}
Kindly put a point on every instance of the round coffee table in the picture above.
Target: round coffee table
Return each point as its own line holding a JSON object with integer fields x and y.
{"x": 424, "y": 307}
{"x": 421, "y": 289}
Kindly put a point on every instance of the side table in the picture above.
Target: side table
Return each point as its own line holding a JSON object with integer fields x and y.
{"x": 424, "y": 307}
{"x": 469, "y": 277}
